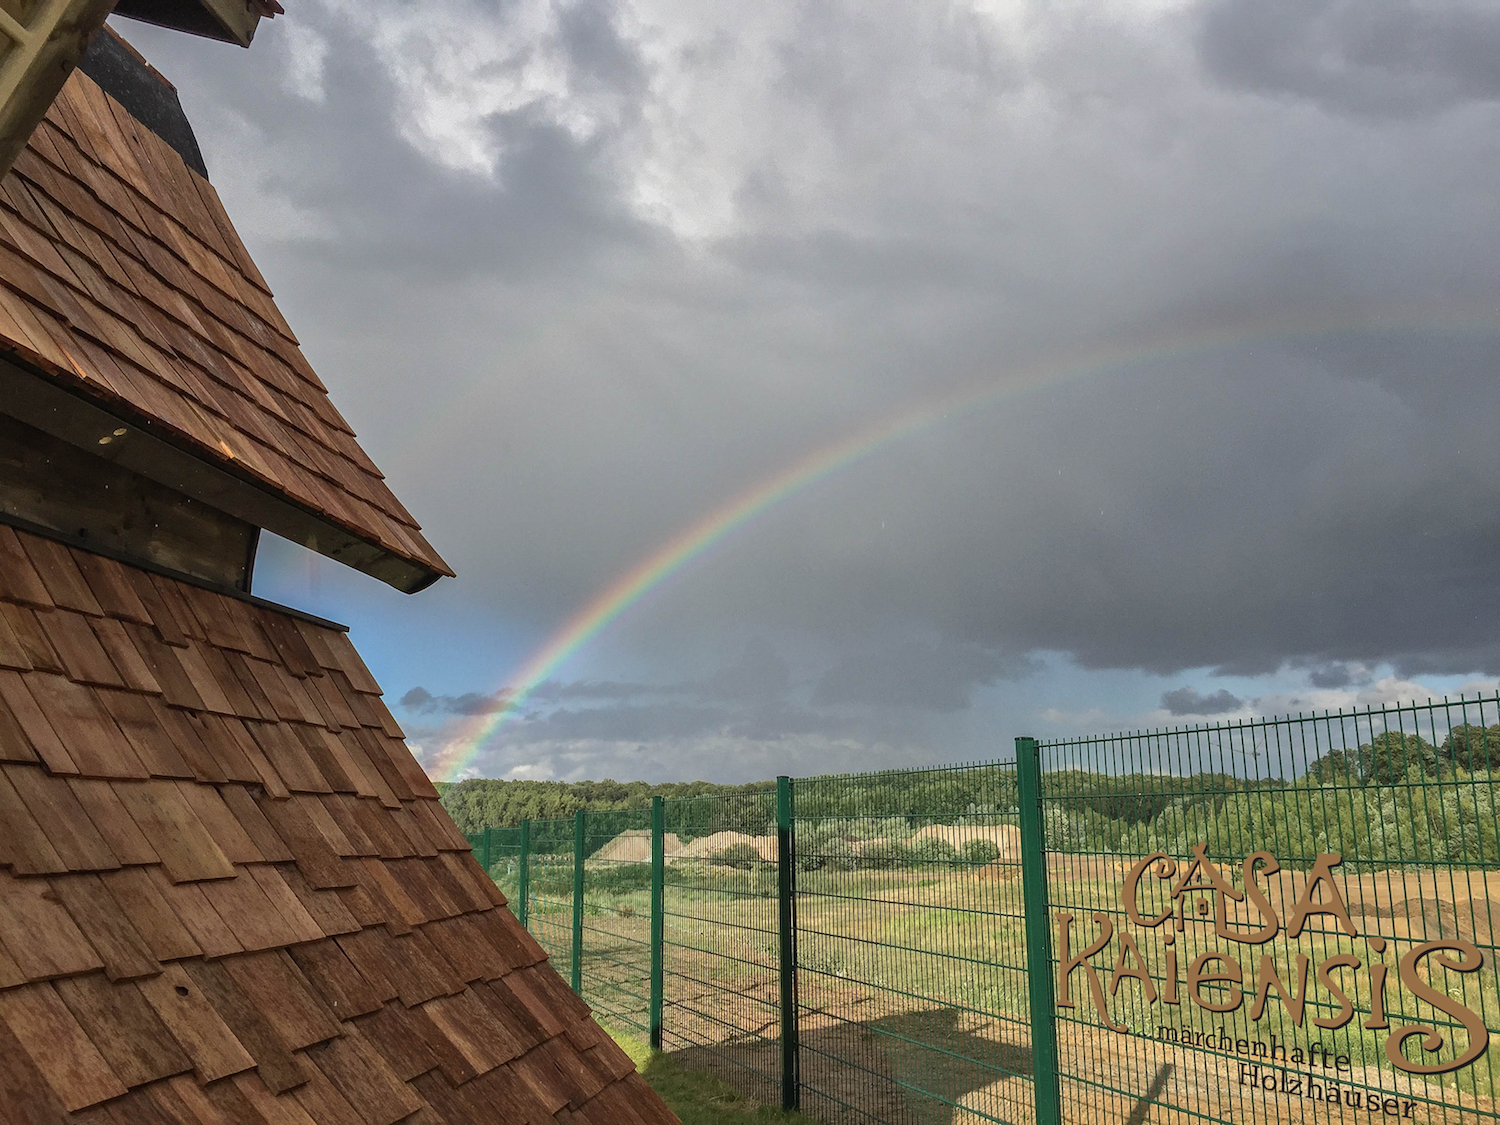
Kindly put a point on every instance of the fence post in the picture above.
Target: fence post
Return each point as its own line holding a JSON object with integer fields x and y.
{"x": 524, "y": 890}
{"x": 578, "y": 902}
{"x": 488, "y": 857}
{"x": 1038, "y": 934}
{"x": 785, "y": 893}
{"x": 658, "y": 919}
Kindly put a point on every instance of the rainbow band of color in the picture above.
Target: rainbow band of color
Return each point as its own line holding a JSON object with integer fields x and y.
{"x": 690, "y": 544}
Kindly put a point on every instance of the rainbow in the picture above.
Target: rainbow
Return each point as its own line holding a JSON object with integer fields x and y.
{"x": 692, "y": 542}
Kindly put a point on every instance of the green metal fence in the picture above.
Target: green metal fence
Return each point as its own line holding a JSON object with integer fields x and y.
{"x": 1249, "y": 922}
{"x": 1312, "y": 934}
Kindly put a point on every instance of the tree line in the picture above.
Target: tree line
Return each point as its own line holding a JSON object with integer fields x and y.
{"x": 1398, "y": 798}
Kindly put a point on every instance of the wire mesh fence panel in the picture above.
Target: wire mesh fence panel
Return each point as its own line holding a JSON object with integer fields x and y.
{"x": 720, "y": 939}
{"x": 498, "y": 851}
{"x": 549, "y": 898}
{"x": 616, "y": 920}
{"x": 911, "y": 965}
{"x": 1278, "y": 921}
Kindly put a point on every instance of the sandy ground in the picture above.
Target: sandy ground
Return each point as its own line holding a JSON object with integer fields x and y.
{"x": 871, "y": 1054}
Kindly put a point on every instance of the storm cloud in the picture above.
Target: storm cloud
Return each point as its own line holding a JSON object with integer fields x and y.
{"x": 1214, "y": 280}
{"x": 1190, "y": 701}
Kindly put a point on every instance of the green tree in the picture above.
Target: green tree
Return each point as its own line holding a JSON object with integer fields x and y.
{"x": 1386, "y": 758}
{"x": 1473, "y": 747}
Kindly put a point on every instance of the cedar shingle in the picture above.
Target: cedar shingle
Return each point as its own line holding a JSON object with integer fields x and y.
{"x": 192, "y": 908}
{"x": 158, "y": 614}
{"x": 325, "y": 908}
{"x": 125, "y": 1029}
{"x": 27, "y": 628}
{"x": 93, "y": 742}
{"x": 355, "y": 900}
{"x": 130, "y": 666}
{"x": 23, "y": 844}
{"x": 83, "y": 657}
{"x": 340, "y": 984}
{"x": 19, "y": 580}
{"x": 108, "y": 815}
{"x": 253, "y": 823}
{"x": 17, "y": 699}
{"x": 12, "y": 651}
{"x": 364, "y": 1079}
{"x": 141, "y": 898}
{"x": 187, "y": 849}
{"x": 111, "y": 586}
{"x": 58, "y": 1046}
{"x": 250, "y": 1026}
{"x": 286, "y": 903}
{"x": 139, "y": 720}
{"x": 189, "y": 298}
{"x": 316, "y": 858}
{"x": 161, "y": 659}
{"x": 190, "y": 1016}
{"x": 14, "y": 744}
{"x": 38, "y": 933}
{"x": 62, "y": 819}
{"x": 324, "y": 1104}
{"x": 96, "y": 913}
{"x": 190, "y": 734}
{"x": 395, "y": 1036}
{"x": 60, "y": 574}
{"x": 221, "y": 823}
{"x": 278, "y": 987}
{"x": 248, "y": 913}
{"x": 219, "y": 692}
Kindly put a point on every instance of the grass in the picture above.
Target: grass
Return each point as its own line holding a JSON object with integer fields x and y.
{"x": 697, "y": 1097}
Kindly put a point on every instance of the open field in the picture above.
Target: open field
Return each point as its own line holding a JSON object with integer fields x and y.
{"x": 913, "y": 996}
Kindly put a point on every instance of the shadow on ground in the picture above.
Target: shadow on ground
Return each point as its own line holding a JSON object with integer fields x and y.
{"x": 936, "y": 1067}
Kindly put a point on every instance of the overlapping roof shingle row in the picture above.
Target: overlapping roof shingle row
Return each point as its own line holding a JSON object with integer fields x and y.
{"x": 228, "y": 893}
{"x": 121, "y": 276}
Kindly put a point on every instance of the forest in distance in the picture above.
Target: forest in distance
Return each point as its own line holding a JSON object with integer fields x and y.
{"x": 1398, "y": 798}
{"x": 482, "y": 802}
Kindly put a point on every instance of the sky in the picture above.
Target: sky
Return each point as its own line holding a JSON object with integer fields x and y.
{"x": 1162, "y": 337}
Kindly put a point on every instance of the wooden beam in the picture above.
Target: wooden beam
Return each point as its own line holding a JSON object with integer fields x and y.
{"x": 40, "y": 46}
{"x": 238, "y": 18}
{"x": 144, "y": 448}
{"x": 230, "y": 21}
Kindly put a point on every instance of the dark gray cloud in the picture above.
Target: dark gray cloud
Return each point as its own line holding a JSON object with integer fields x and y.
{"x": 758, "y": 677}
{"x": 1397, "y": 57}
{"x": 1229, "y": 272}
{"x": 1190, "y": 701}
{"x": 420, "y": 701}
{"x": 912, "y": 674}
{"x": 1330, "y": 676}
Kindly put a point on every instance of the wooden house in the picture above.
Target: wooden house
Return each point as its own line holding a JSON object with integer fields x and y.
{"x": 228, "y": 893}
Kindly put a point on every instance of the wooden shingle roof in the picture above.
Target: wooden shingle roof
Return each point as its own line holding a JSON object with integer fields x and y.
{"x": 228, "y": 893}
{"x": 123, "y": 282}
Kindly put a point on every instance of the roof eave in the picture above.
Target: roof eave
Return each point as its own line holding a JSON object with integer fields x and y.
{"x": 74, "y": 415}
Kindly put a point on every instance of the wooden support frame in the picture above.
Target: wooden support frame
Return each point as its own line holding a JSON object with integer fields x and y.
{"x": 41, "y": 47}
{"x": 229, "y": 21}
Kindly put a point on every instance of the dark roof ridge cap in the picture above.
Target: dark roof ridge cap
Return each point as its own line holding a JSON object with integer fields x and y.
{"x": 145, "y": 62}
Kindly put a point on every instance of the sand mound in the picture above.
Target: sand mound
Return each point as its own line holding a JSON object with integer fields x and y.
{"x": 707, "y": 847}
{"x": 1006, "y": 837}
{"x": 634, "y": 846}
